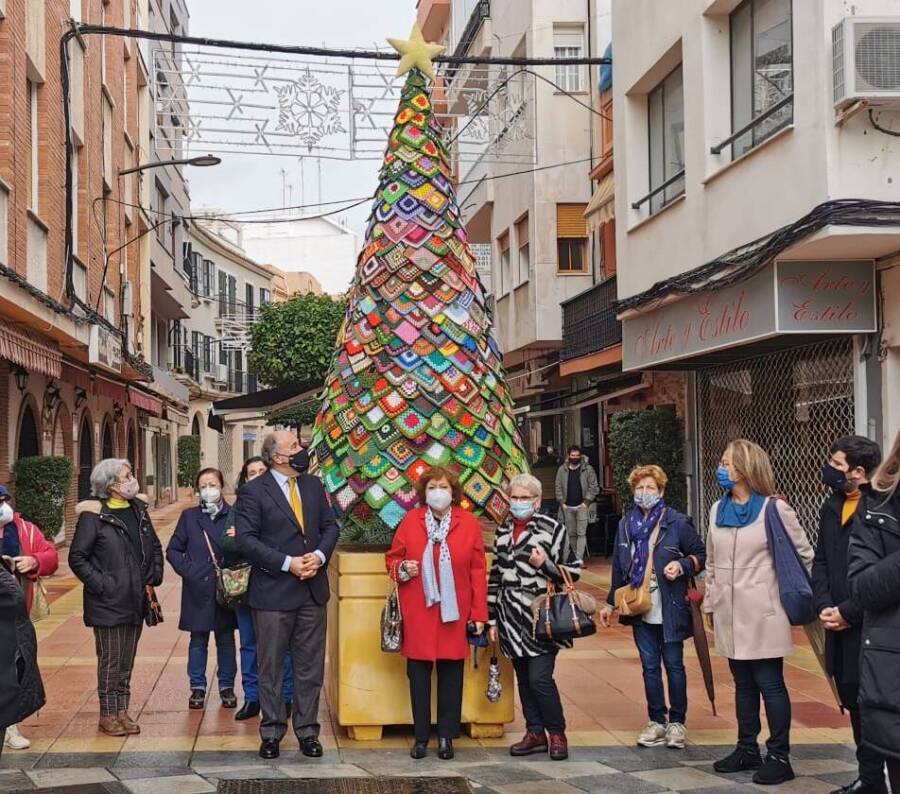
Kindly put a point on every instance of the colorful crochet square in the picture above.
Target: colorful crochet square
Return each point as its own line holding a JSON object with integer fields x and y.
{"x": 417, "y": 379}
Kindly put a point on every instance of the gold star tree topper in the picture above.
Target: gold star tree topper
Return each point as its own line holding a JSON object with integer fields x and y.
{"x": 416, "y": 52}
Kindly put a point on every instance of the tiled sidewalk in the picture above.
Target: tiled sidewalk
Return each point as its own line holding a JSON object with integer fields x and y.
{"x": 600, "y": 681}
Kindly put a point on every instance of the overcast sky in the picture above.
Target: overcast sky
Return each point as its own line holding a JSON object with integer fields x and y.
{"x": 249, "y": 182}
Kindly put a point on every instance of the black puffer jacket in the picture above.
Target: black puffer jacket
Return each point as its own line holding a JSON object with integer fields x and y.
{"x": 21, "y": 687}
{"x": 103, "y": 557}
{"x": 874, "y": 572}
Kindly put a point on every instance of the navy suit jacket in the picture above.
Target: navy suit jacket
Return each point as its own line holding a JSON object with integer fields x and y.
{"x": 267, "y": 531}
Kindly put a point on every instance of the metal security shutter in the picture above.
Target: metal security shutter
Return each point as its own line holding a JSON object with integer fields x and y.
{"x": 794, "y": 404}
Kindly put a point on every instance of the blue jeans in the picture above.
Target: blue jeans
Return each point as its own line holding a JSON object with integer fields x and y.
{"x": 198, "y": 653}
{"x": 249, "y": 670}
{"x": 654, "y": 651}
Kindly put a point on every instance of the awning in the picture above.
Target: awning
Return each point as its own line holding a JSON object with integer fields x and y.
{"x": 265, "y": 400}
{"x": 145, "y": 401}
{"x": 76, "y": 377}
{"x": 602, "y": 206}
{"x": 114, "y": 391}
{"x": 28, "y": 353}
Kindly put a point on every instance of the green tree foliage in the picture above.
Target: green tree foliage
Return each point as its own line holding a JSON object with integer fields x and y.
{"x": 300, "y": 415}
{"x": 41, "y": 487}
{"x": 293, "y": 342}
{"x": 644, "y": 437}
{"x": 188, "y": 460}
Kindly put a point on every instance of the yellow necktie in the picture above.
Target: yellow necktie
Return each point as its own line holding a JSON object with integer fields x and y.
{"x": 296, "y": 502}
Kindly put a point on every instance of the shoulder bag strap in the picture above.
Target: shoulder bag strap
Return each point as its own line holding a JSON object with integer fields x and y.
{"x": 651, "y": 547}
{"x": 212, "y": 555}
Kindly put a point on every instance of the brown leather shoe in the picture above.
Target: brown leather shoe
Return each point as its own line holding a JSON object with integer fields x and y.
{"x": 111, "y": 726}
{"x": 130, "y": 726}
{"x": 559, "y": 747}
{"x": 531, "y": 743}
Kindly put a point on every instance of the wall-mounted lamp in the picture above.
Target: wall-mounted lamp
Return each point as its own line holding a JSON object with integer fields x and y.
{"x": 80, "y": 397}
{"x": 118, "y": 411}
{"x": 21, "y": 376}
{"x": 51, "y": 396}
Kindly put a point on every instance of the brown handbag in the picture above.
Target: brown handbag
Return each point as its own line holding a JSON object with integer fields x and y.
{"x": 634, "y": 601}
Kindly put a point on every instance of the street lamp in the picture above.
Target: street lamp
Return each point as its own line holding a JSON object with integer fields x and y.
{"x": 201, "y": 161}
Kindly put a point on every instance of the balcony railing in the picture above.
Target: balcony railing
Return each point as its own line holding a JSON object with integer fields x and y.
{"x": 481, "y": 12}
{"x": 589, "y": 321}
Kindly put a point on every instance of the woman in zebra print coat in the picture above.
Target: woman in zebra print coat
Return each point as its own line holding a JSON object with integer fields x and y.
{"x": 529, "y": 549}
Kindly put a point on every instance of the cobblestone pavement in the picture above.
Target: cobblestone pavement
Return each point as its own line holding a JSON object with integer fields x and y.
{"x": 181, "y": 751}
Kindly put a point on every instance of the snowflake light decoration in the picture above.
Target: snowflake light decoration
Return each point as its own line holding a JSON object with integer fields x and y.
{"x": 309, "y": 109}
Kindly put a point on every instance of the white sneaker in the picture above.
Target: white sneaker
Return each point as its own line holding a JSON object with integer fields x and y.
{"x": 14, "y": 740}
{"x": 653, "y": 735}
{"x": 676, "y": 735}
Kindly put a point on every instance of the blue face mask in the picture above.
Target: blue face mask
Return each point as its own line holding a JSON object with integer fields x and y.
{"x": 724, "y": 479}
{"x": 647, "y": 500}
{"x": 521, "y": 510}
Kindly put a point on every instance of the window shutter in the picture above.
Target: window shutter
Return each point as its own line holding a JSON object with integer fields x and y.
{"x": 570, "y": 220}
{"x": 503, "y": 242}
{"x": 522, "y": 232}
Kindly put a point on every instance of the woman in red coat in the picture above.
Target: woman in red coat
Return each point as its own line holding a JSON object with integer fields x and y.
{"x": 438, "y": 558}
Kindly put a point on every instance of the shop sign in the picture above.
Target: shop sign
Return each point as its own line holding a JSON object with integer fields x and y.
{"x": 104, "y": 348}
{"x": 790, "y": 297}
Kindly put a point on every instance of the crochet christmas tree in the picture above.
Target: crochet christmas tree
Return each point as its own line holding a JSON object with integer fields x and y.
{"x": 417, "y": 378}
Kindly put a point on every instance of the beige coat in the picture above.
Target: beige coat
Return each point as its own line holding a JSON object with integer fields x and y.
{"x": 742, "y": 590}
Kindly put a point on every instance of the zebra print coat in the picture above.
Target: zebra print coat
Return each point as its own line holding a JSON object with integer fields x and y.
{"x": 514, "y": 583}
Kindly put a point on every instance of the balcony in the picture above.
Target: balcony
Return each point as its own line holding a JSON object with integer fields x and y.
{"x": 165, "y": 384}
{"x": 589, "y": 321}
{"x": 481, "y": 12}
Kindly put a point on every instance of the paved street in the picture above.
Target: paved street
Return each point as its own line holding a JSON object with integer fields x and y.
{"x": 600, "y": 681}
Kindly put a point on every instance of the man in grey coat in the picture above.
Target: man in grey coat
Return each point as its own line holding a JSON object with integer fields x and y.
{"x": 576, "y": 488}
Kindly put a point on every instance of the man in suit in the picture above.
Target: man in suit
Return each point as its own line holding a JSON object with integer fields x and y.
{"x": 286, "y": 528}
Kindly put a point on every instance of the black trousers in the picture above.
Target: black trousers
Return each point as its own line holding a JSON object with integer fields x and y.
{"x": 537, "y": 690}
{"x": 449, "y": 696}
{"x": 116, "y": 648}
{"x": 869, "y": 761}
{"x": 752, "y": 678}
{"x": 893, "y": 768}
{"x": 303, "y": 631}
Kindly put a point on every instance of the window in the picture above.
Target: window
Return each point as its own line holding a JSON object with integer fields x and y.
{"x": 503, "y": 278}
{"x": 209, "y": 278}
{"x": 159, "y": 211}
{"x": 568, "y": 42}
{"x": 109, "y": 305}
{"x": 264, "y": 296}
{"x": 76, "y": 202}
{"x": 207, "y": 353}
{"x": 524, "y": 249}
{"x": 665, "y": 110}
{"x": 196, "y": 339}
{"x": 107, "y": 144}
{"x": 232, "y": 296}
{"x": 248, "y": 291}
{"x": 223, "y": 294}
{"x": 762, "y": 73}
{"x": 176, "y": 344}
{"x": 79, "y": 280}
{"x": 35, "y": 146}
{"x": 571, "y": 238}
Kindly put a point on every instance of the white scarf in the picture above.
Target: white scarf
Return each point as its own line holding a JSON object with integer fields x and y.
{"x": 439, "y": 590}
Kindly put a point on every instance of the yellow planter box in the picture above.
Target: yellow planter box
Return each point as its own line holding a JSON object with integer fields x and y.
{"x": 367, "y": 688}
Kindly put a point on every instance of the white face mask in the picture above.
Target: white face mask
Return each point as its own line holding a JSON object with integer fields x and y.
{"x": 6, "y": 514}
{"x": 210, "y": 494}
{"x": 438, "y": 499}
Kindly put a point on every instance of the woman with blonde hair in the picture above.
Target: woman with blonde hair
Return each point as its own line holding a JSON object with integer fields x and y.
{"x": 742, "y": 601}
{"x": 656, "y": 540}
{"x": 874, "y": 574}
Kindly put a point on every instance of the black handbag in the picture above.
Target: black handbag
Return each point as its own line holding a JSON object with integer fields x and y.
{"x": 560, "y": 615}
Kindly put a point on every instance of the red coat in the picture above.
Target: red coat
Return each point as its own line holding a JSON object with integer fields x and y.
{"x": 425, "y": 637}
{"x": 34, "y": 544}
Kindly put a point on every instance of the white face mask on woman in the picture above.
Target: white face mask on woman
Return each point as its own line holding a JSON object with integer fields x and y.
{"x": 210, "y": 494}
{"x": 438, "y": 499}
{"x": 6, "y": 514}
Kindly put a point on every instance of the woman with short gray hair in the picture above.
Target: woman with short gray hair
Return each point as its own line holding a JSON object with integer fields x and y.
{"x": 116, "y": 554}
{"x": 529, "y": 550}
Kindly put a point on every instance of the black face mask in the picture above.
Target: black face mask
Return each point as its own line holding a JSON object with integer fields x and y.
{"x": 834, "y": 478}
{"x": 574, "y": 462}
{"x": 299, "y": 461}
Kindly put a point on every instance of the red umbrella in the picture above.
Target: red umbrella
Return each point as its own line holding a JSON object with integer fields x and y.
{"x": 701, "y": 643}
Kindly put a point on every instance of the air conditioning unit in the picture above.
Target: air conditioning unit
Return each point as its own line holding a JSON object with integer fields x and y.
{"x": 865, "y": 58}
{"x": 220, "y": 373}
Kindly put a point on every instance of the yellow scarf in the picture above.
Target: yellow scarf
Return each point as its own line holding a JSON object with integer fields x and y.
{"x": 115, "y": 503}
{"x": 850, "y": 505}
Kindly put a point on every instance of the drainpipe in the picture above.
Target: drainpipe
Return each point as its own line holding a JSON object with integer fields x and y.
{"x": 590, "y": 47}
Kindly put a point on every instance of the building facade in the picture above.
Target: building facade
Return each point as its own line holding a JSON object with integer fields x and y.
{"x": 739, "y": 263}
{"x": 229, "y": 289}
{"x": 74, "y": 370}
